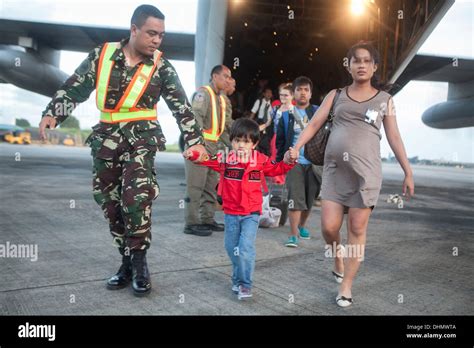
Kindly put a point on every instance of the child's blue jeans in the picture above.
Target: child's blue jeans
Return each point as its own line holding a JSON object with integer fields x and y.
{"x": 239, "y": 241}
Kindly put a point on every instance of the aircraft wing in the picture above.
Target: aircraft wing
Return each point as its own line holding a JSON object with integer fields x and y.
{"x": 457, "y": 110}
{"x": 83, "y": 38}
{"x": 433, "y": 68}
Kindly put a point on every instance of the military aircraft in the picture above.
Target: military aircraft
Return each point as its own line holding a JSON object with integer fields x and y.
{"x": 262, "y": 39}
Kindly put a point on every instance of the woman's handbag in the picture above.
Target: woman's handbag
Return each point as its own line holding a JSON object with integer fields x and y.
{"x": 315, "y": 148}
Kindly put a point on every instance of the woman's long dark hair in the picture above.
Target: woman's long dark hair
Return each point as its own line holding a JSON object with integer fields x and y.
{"x": 367, "y": 45}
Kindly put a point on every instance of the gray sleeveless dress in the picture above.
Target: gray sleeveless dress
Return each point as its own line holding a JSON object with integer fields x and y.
{"x": 352, "y": 174}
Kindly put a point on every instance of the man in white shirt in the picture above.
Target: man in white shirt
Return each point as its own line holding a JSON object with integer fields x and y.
{"x": 262, "y": 107}
{"x": 262, "y": 113}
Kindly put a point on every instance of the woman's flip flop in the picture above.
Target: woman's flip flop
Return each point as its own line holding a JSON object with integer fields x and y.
{"x": 338, "y": 276}
{"x": 343, "y": 301}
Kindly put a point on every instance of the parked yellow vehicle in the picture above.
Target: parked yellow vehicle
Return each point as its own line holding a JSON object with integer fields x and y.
{"x": 18, "y": 137}
{"x": 68, "y": 141}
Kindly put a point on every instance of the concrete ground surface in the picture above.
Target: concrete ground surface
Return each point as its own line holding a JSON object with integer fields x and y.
{"x": 419, "y": 259}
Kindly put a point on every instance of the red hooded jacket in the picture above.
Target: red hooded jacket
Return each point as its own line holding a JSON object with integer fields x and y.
{"x": 240, "y": 184}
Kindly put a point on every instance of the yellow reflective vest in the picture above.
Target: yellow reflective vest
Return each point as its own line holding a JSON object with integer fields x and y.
{"x": 217, "y": 128}
{"x": 126, "y": 109}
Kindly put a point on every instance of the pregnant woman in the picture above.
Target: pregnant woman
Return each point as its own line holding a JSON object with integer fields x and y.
{"x": 352, "y": 175}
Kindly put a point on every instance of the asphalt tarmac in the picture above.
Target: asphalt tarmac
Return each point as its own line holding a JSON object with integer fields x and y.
{"x": 418, "y": 258}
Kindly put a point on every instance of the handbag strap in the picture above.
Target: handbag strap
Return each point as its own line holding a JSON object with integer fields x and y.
{"x": 331, "y": 112}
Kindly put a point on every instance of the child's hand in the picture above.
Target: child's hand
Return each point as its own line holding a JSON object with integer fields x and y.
{"x": 191, "y": 155}
{"x": 188, "y": 154}
{"x": 288, "y": 159}
{"x": 195, "y": 156}
{"x": 293, "y": 154}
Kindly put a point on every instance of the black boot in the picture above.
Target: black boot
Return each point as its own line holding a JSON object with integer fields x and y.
{"x": 216, "y": 227}
{"x": 198, "y": 230}
{"x": 123, "y": 277}
{"x": 141, "y": 277}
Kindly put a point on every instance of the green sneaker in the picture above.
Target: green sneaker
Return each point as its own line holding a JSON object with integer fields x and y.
{"x": 304, "y": 233}
{"x": 292, "y": 242}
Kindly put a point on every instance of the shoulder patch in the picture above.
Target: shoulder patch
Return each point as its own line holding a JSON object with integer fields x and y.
{"x": 199, "y": 97}
{"x": 84, "y": 68}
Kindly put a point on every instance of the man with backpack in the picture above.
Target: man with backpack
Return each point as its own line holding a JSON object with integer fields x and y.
{"x": 302, "y": 183}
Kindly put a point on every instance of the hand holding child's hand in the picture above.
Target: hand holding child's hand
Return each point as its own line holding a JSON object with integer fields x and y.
{"x": 195, "y": 156}
{"x": 290, "y": 156}
{"x": 188, "y": 154}
{"x": 293, "y": 154}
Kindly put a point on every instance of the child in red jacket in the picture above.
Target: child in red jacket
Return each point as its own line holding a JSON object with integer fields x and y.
{"x": 243, "y": 172}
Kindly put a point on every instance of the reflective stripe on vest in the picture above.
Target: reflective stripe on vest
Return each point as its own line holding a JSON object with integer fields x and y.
{"x": 126, "y": 109}
{"x": 213, "y": 133}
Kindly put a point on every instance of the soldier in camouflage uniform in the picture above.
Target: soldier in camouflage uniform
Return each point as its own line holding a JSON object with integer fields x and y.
{"x": 201, "y": 196}
{"x": 124, "y": 177}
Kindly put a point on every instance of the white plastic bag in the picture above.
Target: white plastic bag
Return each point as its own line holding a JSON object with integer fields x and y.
{"x": 270, "y": 215}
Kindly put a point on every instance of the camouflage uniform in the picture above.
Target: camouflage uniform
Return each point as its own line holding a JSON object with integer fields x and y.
{"x": 124, "y": 177}
{"x": 201, "y": 181}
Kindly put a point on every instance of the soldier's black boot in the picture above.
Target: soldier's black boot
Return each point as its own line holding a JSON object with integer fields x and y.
{"x": 141, "y": 283}
{"x": 123, "y": 277}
